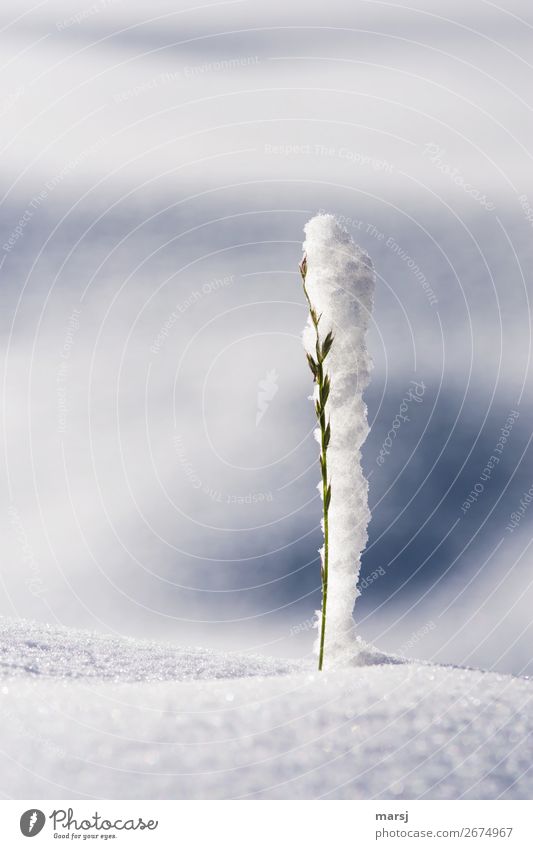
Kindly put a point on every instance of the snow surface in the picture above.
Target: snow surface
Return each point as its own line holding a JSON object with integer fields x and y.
{"x": 340, "y": 282}
{"x": 87, "y": 716}
{"x": 52, "y": 651}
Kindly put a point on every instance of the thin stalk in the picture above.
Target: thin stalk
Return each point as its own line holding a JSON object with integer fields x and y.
{"x": 322, "y": 380}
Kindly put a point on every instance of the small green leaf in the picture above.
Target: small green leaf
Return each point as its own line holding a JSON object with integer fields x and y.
{"x": 318, "y": 409}
{"x": 328, "y": 497}
{"x": 327, "y": 435}
{"x": 326, "y": 345}
{"x": 312, "y": 365}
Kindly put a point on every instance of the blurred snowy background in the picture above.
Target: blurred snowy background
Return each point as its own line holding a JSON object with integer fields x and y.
{"x": 159, "y": 163}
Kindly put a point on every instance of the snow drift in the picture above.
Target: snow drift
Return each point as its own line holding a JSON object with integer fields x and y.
{"x": 255, "y": 729}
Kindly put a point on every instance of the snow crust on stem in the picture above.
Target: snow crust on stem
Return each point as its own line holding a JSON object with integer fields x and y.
{"x": 340, "y": 284}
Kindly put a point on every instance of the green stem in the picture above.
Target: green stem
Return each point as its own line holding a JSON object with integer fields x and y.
{"x": 322, "y": 382}
{"x": 326, "y": 551}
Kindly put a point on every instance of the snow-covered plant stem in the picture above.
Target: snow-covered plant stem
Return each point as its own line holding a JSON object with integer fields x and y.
{"x": 338, "y": 281}
{"x": 321, "y": 378}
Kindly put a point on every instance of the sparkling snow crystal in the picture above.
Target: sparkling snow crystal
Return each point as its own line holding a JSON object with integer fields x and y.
{"x": 340, "y": 284}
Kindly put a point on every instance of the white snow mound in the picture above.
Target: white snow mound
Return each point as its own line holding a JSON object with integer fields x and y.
{"x": 85, "y": 716}
{"x": 53, "y": 651}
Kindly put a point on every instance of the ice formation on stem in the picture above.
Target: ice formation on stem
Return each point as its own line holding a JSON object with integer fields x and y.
{"x": 338, "y": 279}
